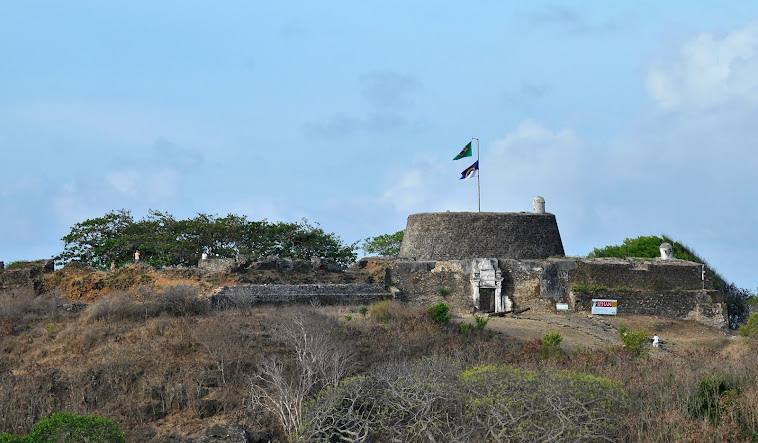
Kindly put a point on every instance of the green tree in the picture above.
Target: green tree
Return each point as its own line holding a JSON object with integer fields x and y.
{"x": 387, "y": 245}
{"x": 166, "y": 241}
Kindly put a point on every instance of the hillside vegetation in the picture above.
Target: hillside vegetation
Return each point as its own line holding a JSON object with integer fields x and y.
{"x": 166, "y": 366}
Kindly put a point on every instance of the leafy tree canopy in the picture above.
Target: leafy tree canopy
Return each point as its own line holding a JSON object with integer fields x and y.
{"x": 165, "y": 241}
{"x": 387, "y": 245}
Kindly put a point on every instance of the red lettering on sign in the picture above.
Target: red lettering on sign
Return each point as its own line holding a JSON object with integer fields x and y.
{"x": 605, "y": 304}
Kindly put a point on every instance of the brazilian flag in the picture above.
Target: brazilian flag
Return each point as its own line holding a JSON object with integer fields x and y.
{"x": 466, "y": 152}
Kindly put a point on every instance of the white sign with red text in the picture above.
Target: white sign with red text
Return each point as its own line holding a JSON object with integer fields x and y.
{"x": 604, "y": 307}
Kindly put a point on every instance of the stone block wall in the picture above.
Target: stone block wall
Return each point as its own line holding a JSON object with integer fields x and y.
{"x": 427, "y": 283}
{"x": 651, "y": 287}
{"x": 464, "y": 235}
{"x": 246, "y": 295}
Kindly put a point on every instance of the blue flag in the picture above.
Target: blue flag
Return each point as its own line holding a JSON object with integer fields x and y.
{"x": 471, "y": 171}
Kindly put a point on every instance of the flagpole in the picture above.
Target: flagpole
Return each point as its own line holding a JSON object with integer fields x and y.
{"x": 478, "y": 172}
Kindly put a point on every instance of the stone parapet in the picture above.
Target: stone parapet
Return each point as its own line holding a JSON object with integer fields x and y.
{"x": 248, "y": 295}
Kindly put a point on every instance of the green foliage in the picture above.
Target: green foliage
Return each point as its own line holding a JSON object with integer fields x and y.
{"x": 387, "y": 245}
{"x": 444, "y": 292}
{"x": 465, "y": 328}
{"x": 65, "y": 427}
{"x": 636, "y": 341}
{"x": 583, "y": 287}
{"x": 363, "y": 310}
{"x": 166, "y": 241}
{"x": 645, "y": 247}
{"x": 386, "y": 311}
{"x": 9, "y": 438}
{"x": 440, "y": 313}
{"x": 481, "y": 320}
{"x": 750, "y": 328}
{"x": 712, "y": 395}
{"x": 348, "y": 317}
{"x": 551, "y": 345}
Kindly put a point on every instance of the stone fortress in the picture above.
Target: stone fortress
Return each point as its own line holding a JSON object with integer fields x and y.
{"x": 503, "y": 262}
{"x": 484, "y": 261}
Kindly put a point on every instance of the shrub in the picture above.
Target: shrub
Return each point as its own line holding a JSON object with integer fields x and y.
{"x": 386, "y": 311}
{"x": 551, "y": 345}
{"x": 710, "y": 396}
{"x": 444, "y": 292}
{"x": 465, "y": 328}
{"x": 117, "y": 306}
{"x": 481, "y": 320}
{"x": 441, "y": 400}
{"x": 183, "y": 300}
{"x": 750, "y": 328}
{"x": 9, "y": 438}
{"x": 65, "y": 427}
{"x": 440, "y": 313}
{"x": 636, "y": 341}
{"x": 363, "y": 310}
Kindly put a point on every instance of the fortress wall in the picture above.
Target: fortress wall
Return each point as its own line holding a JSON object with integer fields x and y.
{"x": 652, "y": 287}
{"x": 465, "y": 235}
{"x": 421, "y": 282}
{"x": 247, "y": 295}
{"x": 660, "y": 275}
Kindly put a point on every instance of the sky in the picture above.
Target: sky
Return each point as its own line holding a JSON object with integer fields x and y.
{"x": 629, "y": 117}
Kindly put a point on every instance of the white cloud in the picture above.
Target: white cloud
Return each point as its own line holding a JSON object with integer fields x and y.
{"x": 708, "y": 71}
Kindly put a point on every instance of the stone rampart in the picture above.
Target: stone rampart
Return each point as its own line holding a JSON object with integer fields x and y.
{"x": 668, "y": 288}
{"x": 248, "y": 295}
{"x": 465, "y": 235}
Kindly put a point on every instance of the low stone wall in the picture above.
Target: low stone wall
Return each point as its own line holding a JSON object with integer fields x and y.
{"x": 248, "y": 295}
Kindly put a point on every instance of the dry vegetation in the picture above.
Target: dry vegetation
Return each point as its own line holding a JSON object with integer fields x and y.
{"x": 151, "y": 354}
{"x": 163, "y": 363}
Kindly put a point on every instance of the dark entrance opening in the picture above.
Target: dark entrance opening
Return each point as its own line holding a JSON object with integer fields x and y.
{"x": 487, "y": 299}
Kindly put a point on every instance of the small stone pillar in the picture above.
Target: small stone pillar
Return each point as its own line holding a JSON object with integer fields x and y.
{"x": 539, "y": 205}
{"x": 667, "y": 251}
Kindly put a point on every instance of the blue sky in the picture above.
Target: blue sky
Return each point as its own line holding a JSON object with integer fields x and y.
{"x": 629, "y": 118}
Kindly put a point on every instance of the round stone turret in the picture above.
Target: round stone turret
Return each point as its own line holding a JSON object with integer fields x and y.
{"x": 466, "y": 235}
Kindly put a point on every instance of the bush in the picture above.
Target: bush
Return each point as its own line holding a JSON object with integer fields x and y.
{"x": 551, "y": 345}
{"x": 711, "y": 395}
{"x": 750, "y": 329}
{"x": 386, "y": 311}
{"x": 442, "y": 401}
{"x": 183, "y": 300}
{"x": 481, "y": 321}
{"x": 635, "y": 341}
{"x": 440, "y": 313}
{"x": 65, "y": 427}
{"x": 117, "y": 306}
{"x": 9, "y": 438}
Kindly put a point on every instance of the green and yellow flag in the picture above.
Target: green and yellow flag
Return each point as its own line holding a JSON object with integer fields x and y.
{"x": 466, "y": 152}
